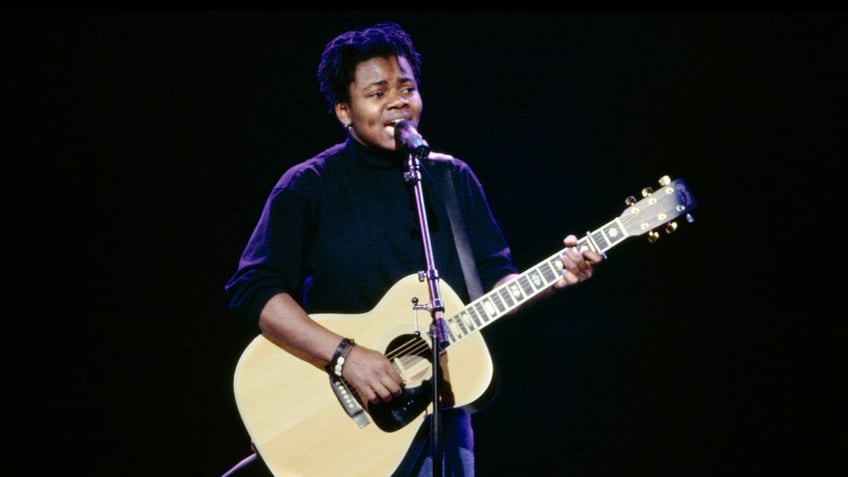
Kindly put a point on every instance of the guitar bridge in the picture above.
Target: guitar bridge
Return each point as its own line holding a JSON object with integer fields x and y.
{"x": 349, "y": 402}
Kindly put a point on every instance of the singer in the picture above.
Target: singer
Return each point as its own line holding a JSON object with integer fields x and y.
{"x": 340, "y": 229}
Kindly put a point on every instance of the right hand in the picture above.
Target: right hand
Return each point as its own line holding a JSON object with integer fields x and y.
{"x": 372, "y": 375}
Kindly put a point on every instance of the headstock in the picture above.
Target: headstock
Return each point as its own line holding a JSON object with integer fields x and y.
{"x": 658, "y": 207}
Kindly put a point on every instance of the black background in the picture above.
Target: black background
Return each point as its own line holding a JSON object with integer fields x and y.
{"x": 143, "y": 144}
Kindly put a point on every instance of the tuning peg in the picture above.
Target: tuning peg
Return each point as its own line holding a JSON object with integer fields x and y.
{"x": 670, "y": 227}
{"x": 689, "y": 218}
{"x": 653, "y": 236}
{"x": 664, "y": 181}
{"x": 647, "y": 191}
{"x": 630, "y": 200}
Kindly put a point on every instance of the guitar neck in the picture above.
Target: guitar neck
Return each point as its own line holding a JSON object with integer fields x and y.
{"x": 659, "y": 207}
{"x": 505, "y": 298}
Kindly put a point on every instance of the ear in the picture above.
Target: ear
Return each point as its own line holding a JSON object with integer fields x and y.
{"x": 343, "y": 113}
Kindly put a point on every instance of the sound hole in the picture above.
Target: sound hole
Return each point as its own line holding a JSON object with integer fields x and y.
{"x": 411, "y": 356}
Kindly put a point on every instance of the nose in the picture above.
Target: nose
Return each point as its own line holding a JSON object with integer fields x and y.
{"x": 398, "y": 101}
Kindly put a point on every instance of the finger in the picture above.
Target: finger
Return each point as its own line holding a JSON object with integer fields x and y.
{"x": 575, "y": 268}
{"x": 568, "y": 278}
{"x": 592, "y": 257}
{"x": 384, "y": 393}
{"x": 570, "y": 240}
{"x": 367, "y": 395}
{"x": 584, "y": 266}
{"x": 571, "y": 261}
{"x": 394, "y": 388}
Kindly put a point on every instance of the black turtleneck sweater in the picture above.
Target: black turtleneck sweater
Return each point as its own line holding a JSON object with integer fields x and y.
{"x": 338, "y": 230}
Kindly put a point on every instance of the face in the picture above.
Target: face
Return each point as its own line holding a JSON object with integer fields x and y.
{"x": 383, "y": 91}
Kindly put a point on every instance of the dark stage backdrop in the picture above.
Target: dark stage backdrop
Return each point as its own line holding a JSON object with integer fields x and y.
{"x": 145, "y": 142}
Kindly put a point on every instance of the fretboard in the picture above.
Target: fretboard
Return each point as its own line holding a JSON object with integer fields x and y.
{"x": 505, "y": 298}
{"x": 672, "y": 200}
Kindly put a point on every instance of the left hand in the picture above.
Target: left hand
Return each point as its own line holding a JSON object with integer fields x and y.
{"x": 577, "y": 266}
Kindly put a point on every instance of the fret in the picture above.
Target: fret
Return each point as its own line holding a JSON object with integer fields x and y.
{"x": 473, "y": 313}
{"x": 491, "y": 311}
{"x": 453, "y": 329}
{"x": 613, "y": 234}
{"x": 464, "y": 318}
{"x": 515, "y": 290}
{"x": 526, "y": 286}
{"x": 548, "y": 273}
{"x": 506, "y": 297}
{"x": 556, "y": 263}
{"x": 463, "y": 327}
{"x": 536, "y": 280}
{"x": 482, "y": 312}
{"x": 496, "y": 299}
{"x": 596, "y": 241}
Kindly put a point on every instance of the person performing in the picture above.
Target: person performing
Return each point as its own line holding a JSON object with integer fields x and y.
{"x": 335, "y": 246}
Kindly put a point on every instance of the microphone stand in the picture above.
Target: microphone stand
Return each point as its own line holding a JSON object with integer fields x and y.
{"x": 438, "y": 331}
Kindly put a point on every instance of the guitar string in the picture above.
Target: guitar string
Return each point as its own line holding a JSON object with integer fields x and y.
{"x": 413, "y": 346}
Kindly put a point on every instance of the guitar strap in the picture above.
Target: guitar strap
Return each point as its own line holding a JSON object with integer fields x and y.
{"x": 463, "y": 248}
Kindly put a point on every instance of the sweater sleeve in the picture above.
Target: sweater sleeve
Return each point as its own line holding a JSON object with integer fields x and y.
{"x": 272, "y": 260}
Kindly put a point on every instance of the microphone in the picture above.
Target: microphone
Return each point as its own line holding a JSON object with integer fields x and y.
{"x": 407, "y": 136}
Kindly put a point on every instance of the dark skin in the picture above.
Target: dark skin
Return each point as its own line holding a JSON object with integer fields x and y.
{"x": 383, "y": 91}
